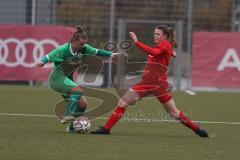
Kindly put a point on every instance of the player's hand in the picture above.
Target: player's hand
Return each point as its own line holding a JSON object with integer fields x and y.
{"x": 115, "y": 55}
{"x": 174, "y": 54}
{"x": 40, "y": 64}
{"x": 133, "y": 36}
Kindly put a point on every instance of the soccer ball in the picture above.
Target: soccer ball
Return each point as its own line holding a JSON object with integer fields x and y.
{"x": 81, "y": 124}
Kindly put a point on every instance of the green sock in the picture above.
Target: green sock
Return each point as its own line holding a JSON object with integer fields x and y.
{"x": 72, "y": 104}
{"x": 69, "y": 107}
{"x": 78, "y": 110}
{"x": 71, "y": 126}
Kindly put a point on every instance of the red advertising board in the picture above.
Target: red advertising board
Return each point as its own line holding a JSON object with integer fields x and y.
{"x": 22, "y": 46}
{"x": 216, "y": 60}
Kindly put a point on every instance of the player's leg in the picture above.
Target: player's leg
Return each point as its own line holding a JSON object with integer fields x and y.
{"x": 76, "y": 105}
{"x": 171, "y": 108}
{"x": 79, "y": 103}
{"x": 73, "y": 92}
{"x": 129, "y": 98}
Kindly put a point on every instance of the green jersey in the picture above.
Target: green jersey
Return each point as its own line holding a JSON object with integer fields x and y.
{"x": 65, "y": 62}
{"x": 63, "y": 57}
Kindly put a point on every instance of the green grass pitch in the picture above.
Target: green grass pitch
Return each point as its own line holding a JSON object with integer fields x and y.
{"x": 44, "y": 138}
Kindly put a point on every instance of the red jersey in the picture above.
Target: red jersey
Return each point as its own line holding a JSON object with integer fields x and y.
{"x": 158, "y": 59}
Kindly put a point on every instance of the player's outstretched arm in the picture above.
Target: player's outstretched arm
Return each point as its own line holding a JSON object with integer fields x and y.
{"x": 146, "y": 48}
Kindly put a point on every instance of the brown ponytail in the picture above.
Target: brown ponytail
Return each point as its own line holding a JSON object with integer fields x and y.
{"x": 172, "y": 37}
{"x": 170, "y": 34}
{"x": 79, "y": 34}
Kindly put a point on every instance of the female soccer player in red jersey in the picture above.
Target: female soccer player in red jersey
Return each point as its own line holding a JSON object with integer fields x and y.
{"x": 154, "y": 81}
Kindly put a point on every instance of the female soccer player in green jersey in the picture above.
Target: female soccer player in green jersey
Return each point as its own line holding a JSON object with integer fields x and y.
{"x": 61, "y": 78}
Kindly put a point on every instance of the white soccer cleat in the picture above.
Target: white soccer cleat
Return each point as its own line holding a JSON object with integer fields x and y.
{"x": 67, "y": 119}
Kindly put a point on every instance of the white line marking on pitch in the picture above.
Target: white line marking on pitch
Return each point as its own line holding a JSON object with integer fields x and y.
{"x": 105, "y": 118}
{"x": 192, "y": 93}
{"x": 27, "y": 115}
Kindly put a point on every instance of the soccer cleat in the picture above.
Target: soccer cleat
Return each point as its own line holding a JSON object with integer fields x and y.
{"x": 69, "y": 130}
{"x": 101, "y": 130}
{"x": 67, "y": 119}
{"x": 201, "y": 133}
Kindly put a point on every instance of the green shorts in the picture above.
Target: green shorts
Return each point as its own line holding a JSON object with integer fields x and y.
{"x": 61, "y": 83}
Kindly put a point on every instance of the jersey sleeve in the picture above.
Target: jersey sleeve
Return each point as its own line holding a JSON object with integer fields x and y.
{"x": 95, "y": 51}
{"x": 103, "y": 53}
{"x": 54, "y": 56}
{"x": 160, "y": 49}
{"x": 90, "y": 50}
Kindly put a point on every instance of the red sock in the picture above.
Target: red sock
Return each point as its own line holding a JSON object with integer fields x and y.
{"x": 187, "y": 122}
{"x": 115, "y": 116}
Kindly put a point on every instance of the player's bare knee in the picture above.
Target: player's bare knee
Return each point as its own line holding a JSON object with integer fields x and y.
{"x": 83, "y": 103}
{"x": 77, "y": 89}
{"x": 122, "y": 103}
{"x": 173, "y": 114}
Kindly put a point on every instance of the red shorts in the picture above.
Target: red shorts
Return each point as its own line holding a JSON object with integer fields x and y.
{"x": 159, "y": 88}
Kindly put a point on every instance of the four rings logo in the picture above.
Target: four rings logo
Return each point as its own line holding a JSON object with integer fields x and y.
{"x": 21, "y": 50}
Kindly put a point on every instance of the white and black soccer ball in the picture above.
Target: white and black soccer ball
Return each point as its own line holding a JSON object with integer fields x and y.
{"x": 81, "y": 124}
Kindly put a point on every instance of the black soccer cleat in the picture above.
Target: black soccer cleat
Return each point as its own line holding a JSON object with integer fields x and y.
{"x": 101, "y": 130}
{"x": 201, "y": 133}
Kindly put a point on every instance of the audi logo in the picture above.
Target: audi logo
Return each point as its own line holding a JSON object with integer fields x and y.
{"x": 22, "y": 50}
